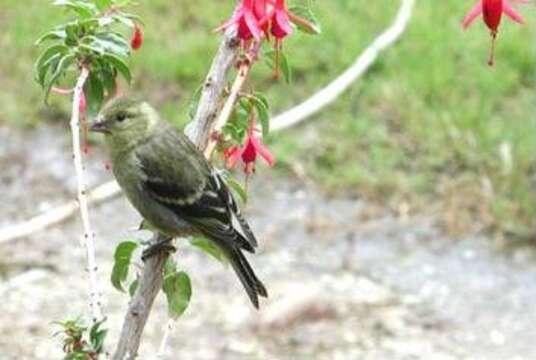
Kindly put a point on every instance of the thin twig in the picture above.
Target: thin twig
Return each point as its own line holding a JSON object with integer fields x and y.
{"x": 170, "y": 326}
{"x": 89, "y": 235}
{"x": 227, "y": 109}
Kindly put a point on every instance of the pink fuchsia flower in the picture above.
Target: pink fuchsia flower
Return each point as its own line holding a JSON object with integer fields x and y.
{"x": 263, "y": 10}
{"x": 248, "y": 153}
{"x": 492, "y": 11}
{"x": 137, "y": 38}
{"x": 281, "y": 27}
{"x": 246, "y": 21}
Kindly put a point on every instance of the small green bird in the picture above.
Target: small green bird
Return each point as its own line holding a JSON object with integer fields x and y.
{"x": 169, "y": 181}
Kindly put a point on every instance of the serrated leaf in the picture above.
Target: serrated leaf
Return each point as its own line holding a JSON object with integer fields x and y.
{"x": 119, "y": 65}
{"x": 94, "y": 92}
{"x": 209, "y": 248}
{"x": 122, "y": 258}
{"x": 178, "y": 289}
{"x": 64, "y": 62}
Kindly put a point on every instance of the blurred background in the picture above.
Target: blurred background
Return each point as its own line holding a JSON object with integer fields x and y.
{"x": 397, "y": 224}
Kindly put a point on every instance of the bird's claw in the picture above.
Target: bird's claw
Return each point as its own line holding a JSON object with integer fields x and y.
{"x": 159, "y": 247}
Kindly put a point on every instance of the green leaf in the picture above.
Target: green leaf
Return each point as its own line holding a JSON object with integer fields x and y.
{"x": 119, "y": 65}
{"x": 311, "y": 25}
{"x": 285, "y": 67}
{"x": 60, "y": 68}
{"x": 97, "y": 335}
{"x": 45, "y": 60}
{"x": 237, "y": 188}
{"x": 125, "y": 20}
{"x": 122, "y": 257}
{"x": 108, "y": 78}
{"x": 133, "y": 286}
{"x": 261, "y": 106}
{"x": 106, "y": 43}
{"x": 103, "y": 4}
{"x": 52, "y": 35}
{"x": 178, "y": 289}
{"x": 270, "y": 56}
{"x": 83, "y": 8}
{"x": 209, "y": 248}
{"x": 94, "y": 94}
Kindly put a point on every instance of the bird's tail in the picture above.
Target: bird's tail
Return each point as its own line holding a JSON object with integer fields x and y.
{"x": 254, "y": 287}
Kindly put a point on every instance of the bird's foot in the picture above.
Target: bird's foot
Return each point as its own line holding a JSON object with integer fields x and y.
{"x": 157, "y": 248}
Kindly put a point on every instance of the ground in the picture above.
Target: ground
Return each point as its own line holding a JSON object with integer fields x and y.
{"x": 347, "y": 279}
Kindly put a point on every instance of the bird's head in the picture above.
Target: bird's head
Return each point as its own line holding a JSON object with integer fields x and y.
{"x": 125, "y": 121}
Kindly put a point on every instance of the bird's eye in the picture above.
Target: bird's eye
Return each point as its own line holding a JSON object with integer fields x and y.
{"x": 121, "y": 116}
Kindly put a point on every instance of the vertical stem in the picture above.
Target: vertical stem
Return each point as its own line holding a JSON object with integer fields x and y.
{"x": 140, "y": 305}
{"x": 225, "y": 113}
{"x": 89, "y": 235}
{"x": 163, "y": 344}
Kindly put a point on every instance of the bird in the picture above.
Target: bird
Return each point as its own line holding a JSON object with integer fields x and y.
{"x": 171, "y": 184}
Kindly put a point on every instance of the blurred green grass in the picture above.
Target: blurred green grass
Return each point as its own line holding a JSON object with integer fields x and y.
{"x": 430, "y": 125}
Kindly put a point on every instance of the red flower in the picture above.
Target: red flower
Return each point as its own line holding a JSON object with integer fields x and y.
{"x": 281, "y": 27}
{"x": 248, "y": 153}
{"x": 492, "y": 11}
{"x": 137, "y": 38}
{"x": 263, "y": 10}
{"x": 244, "y": 17}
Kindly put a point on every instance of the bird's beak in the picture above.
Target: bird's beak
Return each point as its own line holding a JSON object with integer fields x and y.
{"x": 99, "y": 126}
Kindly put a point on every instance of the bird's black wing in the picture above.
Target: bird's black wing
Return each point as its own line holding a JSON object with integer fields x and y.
{"x": 176, "y": 175}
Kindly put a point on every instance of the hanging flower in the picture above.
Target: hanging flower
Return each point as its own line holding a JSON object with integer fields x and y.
{"x": 137, "y": 38}
{"x": 281, "y": 27}
{"x": 246, "y": 21}
{"x": 248, "y": 153}
{"x": 492, "y": 11}
{"x": 263, "y": 10}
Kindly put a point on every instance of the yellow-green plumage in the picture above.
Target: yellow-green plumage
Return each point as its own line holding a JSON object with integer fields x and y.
{"x": 168, "y": 180}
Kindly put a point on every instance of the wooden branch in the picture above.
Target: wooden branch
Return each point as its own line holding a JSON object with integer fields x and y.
{"x": 199, "y": 132}
{"x": 89, "y": 235}
{"x": 363, "y": 62}
{"x": 199, "y": 129}
{"x": 140, "y": 305}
